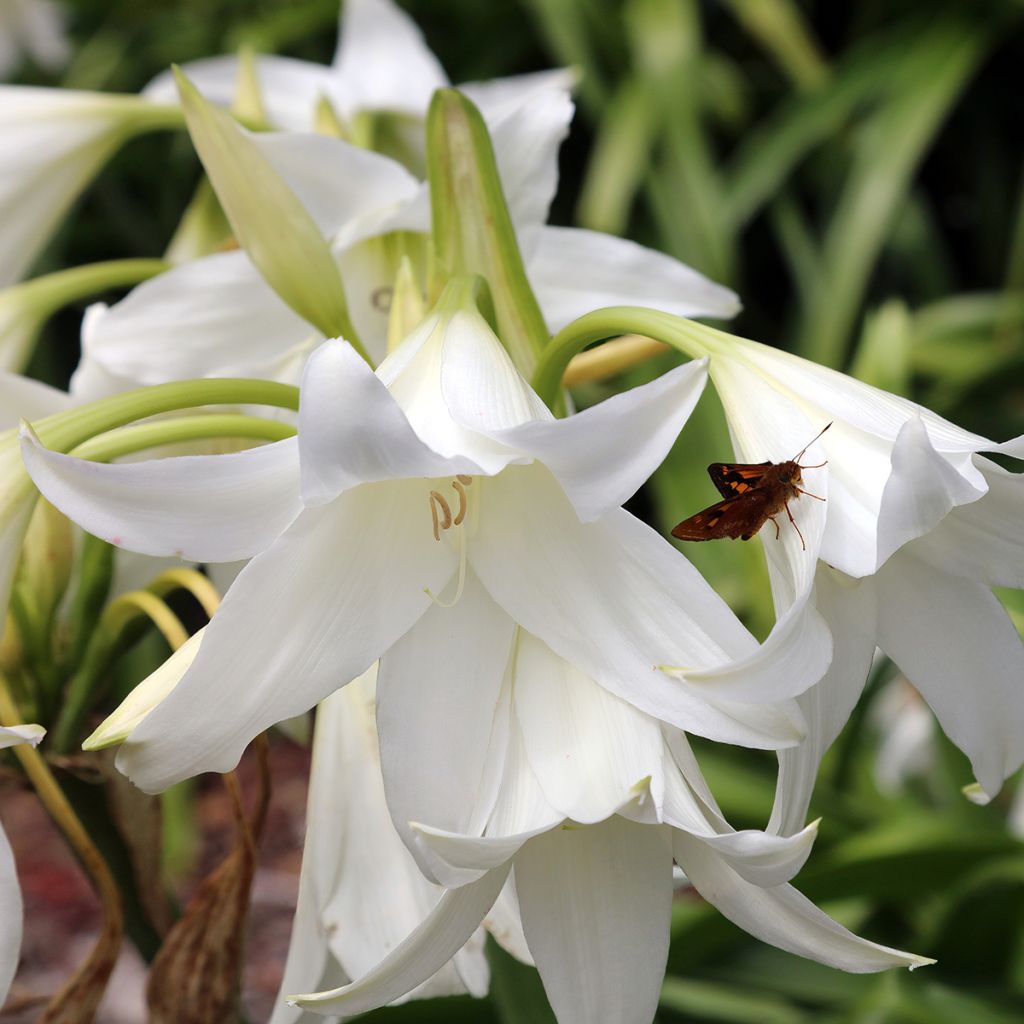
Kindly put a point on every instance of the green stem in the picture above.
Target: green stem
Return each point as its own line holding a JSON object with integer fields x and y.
{"x": 52, "y": 291}
{"x": 689, "y": 337}
{"x": 129, "y": 440}
{"x": 66, "y": 430}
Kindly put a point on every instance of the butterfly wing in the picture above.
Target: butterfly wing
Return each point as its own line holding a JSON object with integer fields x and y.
{"x": 737, "y": 517}
{"x": 735, "y": 478}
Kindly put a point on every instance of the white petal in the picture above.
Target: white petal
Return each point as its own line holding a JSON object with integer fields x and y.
{"x": 506, "y": 926}
{"x": 526, "y": 140}
{"x": 457, "y": 915}
{"x": 759, "y": 857}
{"x": 603, "y": 455}
{"x": 782, "y": 916}
{"x": 14, "y": 735}
{"x": 465, "y": 858}
{"x": 982, "y": 541}
{"x": 920, "y": 491}
{"x": 10, "y": 917}
{"x": 22, "y": 398}
{"x": 587, "y": 748}
{"x": 375, "y": 186}
{"x": 371, "y": 893}
{"x": 55, "y": 142}
{"x": 382, "y": 62}
{"x": 116, "y": 727}
{"x": 444, "y": 678}
{"x": 863, "y": 407}
{"x": 596, "y": 903}
{"x": 352, "y": 431}
{"x": 289, "y": 88}
{"x": 216, "y": 508}
{"x": 498, "y": 97}
{"x": 625, "y": 602}
{"x": 311, "y": 613}
{"x": 849, "y": 608}
{"x": 574, "y": 271}
{"x": 954, "y": 641}
{"x": 211, "y": 317}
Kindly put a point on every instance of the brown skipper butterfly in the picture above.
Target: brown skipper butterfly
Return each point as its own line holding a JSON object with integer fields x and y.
{"x": 753, "y": 493}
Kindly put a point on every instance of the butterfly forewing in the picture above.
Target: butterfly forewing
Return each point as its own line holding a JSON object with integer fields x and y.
{"x": 738, "y": 518}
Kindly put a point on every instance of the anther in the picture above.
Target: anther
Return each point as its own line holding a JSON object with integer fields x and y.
{"x": 446, "y": 509}
{"x": 460, "y": 490}
{"x": 437, "y": 522}
{"x": 464, "y": 479}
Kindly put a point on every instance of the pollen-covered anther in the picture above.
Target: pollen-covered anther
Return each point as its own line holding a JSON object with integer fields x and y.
{"x": 441, "y": 511}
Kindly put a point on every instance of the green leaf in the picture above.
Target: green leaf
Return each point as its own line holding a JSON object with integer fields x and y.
{"x": 268, "y": 219}
{"x": 707, "y": 1001}
{"x": 516, "y": 990}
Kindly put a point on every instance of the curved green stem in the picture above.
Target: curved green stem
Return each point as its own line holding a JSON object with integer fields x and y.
{"x": 129, "y": 440}
{"x": 66, "y": 430}
{"x": 689, "y": 337}
{"x": 52, "y": 291}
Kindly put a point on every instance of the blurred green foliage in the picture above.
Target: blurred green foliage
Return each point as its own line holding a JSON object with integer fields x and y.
{"x": 855, "y": 172}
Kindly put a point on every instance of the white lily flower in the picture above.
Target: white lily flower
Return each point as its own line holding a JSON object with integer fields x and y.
{"x": 360, "y": 891}
{"x": 586, "y": 800}
{"x": 33, "y": 29}
{"x": 216, "y": 315}
{"x": 54, "y": 143}
{"x": 440, "y": 467}
{"x": 10, "y": 890}
{"x": 916, "y": 529}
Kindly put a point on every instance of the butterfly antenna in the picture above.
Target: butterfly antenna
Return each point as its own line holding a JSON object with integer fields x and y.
{"x": 796, "y": 458}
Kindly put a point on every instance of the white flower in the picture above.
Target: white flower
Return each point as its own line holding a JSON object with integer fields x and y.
{"x": 10, "y": 890}
{"x": 587, "y": 801}
{"x": 216, "y": 316}
{"x": 33, "y": 29}
{"x": 916, "y": 530}
{"x": 53, "y": 143}
{"x": 360, "y": 892}
{"x": 442, "y": 466}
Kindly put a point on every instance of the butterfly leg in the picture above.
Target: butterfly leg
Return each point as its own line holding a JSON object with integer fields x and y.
{"x": 776, "y": 525}
{"x": 809, "y": 495}
{"x": 795, "y": 527}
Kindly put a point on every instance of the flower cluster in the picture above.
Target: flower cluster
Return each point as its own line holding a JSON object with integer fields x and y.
{"x": 424, "y": 541}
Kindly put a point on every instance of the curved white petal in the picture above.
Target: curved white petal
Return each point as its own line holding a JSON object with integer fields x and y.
{"x": 759, "y": 857}
{"x": 10, "y": 917}
{"x": 289, "y": 88}
{"x": 117, "y": 726}
{"x": 22, "y": 398}
{"x": 498, "y": 97}
{"x": 506, "y": 926}
{"x": 55, "y": 142}
{"x": 526, "y": 140}
{"x": 205, "y": 508}
{"x": 626, "y": 602}
{"x": 382, "y": 62}
{"x": 444, "y": 678}
{"x": 352, "y": 431}
{"x": 351, "y": 577}
{"x": 210, "y": 317}
{"x": 457, "y": 915}
{"x": 603, "y": 455}
{"x": 347, "y": 190}
{"x": 869, "y": 409}
{"x": 922, "y": 488}
{"x": 782, "y": 916}
{"x": 466, "y": 858}
{"x": 954, "y": 641}
{"x": 372, "y": 894}
{"x": 574, "y": 271}
{"x": 596, "y": 903}
{"x": 984, "y": 540}
{"x": 587, "y": 747}
{"x": 14, "y": 735}
{"x": 849, "y": 608}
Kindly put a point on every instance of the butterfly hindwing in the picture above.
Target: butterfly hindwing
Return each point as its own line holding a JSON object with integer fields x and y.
{"x": 735, "y": 478}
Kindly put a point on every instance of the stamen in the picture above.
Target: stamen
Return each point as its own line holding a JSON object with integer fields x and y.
{"x": 460, "y": 490}
{"x": 463, "y": 479}
{"x": 433, "y": 515}
{"x": 446, "y": 509}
